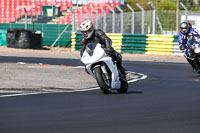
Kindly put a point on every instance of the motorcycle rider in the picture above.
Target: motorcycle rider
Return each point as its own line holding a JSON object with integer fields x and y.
{"x": 91, "y": 35}
{"x": 186, "y": 30}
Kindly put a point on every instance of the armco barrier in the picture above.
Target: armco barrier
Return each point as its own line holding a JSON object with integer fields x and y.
{"x": 75, "y": 39}
{"x": 159, "y": 44}
{"x": 176, "y": 49}
{"x": 138, "y": 43}
{"x": 134, "y": 43}
{"x": 116, "y": 41}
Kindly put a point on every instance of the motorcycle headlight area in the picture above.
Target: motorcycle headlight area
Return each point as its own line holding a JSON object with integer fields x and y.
{"x": 89, "y": 51}
{"x": 197, "y": 48}
{"x": 90, "y": 48}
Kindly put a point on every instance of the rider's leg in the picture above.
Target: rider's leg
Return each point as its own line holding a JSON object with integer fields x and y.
{"x": 196, "y": 64}
{"x": 117, "y": 56}
{"x": 192, "y": 64}
{"x": 193, "y": 61}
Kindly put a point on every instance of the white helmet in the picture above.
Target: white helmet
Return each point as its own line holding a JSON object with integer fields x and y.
{"x": 87, "y": 29}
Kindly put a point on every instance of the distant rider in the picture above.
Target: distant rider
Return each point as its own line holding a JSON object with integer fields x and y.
{"x": 185, "y": 31}
{"x": 91, "y": 35}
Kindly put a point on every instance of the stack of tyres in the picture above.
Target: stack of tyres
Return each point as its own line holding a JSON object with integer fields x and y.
{"x": 25, "y": 39}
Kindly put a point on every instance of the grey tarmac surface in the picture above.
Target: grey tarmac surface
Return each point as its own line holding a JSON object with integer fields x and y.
{"x": 26, "y": 70}
{"x": 167, "y": 101}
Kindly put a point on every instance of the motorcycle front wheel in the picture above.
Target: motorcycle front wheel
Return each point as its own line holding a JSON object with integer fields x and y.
{"x": 104, "y": 84}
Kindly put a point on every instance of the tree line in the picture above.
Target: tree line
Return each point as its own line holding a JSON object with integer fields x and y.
{"x": 192, "y": 5}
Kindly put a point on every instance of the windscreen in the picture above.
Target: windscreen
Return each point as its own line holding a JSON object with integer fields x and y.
{"x": 90, "y": 48}
{"x": 191, "y": 41}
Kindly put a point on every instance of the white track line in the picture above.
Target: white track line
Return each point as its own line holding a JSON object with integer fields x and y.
{"x": 35, "y": 93}
{"x": 87, "y": 89}
{"x": 133, "y": 80}
{"x": 23, "y": 94}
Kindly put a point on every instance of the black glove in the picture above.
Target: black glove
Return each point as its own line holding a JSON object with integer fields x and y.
{"x": 108, "y": 51}
{"x": 182, "y": 47}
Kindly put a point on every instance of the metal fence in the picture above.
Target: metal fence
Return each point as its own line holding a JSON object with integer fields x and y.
{"x": 121, "y": 23}
{"x": 165, "y": 22}
{"x": 136, "y": 22}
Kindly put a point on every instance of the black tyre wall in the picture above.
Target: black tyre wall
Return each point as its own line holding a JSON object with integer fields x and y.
{"x": 21, "y": 38}
{"x": 98, "y": 74}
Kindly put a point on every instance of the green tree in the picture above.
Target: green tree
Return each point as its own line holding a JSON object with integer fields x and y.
{"x": 143, "y": 3}
{"x": 166, "y": 5}
{"x": 160, "y": 4}
{"x": 189, "y": 4}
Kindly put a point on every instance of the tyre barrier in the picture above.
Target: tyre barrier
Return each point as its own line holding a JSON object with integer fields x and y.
{"x": 26, "y": 39}
{"x": 138, "y": 43}
{"x": 50, "y": 32}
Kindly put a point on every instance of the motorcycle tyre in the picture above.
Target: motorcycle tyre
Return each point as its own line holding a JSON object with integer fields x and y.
{"x": 124, "y": 87}
{"x": 103, "y": 86}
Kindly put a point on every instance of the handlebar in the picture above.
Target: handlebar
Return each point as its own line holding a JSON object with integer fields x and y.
{"x": 192, "y": 35}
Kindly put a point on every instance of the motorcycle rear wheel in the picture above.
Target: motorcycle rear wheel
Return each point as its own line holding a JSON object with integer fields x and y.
{"x": 104, "y": 86}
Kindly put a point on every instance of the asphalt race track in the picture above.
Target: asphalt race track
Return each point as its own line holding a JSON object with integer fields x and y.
{"x": 167, "y": 101}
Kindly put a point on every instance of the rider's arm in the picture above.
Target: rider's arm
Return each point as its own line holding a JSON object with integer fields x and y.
{"x": 193, "y": 32}
{"x": 82, "y": 45}
{"x": 104, "y": 38}
{"x": 181, "y": 41}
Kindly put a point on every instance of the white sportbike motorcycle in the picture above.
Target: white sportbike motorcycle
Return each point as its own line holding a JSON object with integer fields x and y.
{"x": 103, "y": 69}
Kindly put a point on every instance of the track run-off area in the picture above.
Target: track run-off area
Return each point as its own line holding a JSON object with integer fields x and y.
{"x": 19, "y": 79}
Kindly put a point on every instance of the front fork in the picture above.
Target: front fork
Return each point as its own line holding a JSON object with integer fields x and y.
{"x": 105, "y": 72}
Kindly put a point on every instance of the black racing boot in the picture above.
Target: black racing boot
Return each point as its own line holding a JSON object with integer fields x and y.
{"x": 194, "y": 70}
{"x": 122, "y": 72}
{"x": 198, "y": 71}
{"x": 118, "y": 58}
{"x": 192, "y": 64}
{"x": 197, "y": 65}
